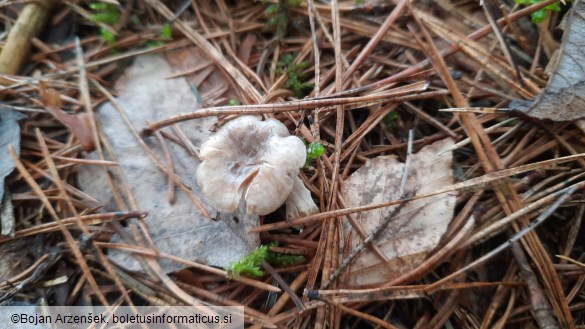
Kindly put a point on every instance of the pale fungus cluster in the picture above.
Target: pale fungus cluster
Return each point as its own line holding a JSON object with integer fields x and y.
{"x": 254, "y": 165}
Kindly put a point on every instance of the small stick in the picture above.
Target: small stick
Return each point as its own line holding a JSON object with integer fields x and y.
{"x": 86, "y": 161}
{"x": 295, "y": 299}
{"x": 92, "y": 219}
{"x": 29, "y": 24}
{"x": 365, "y": 316}
{"x": 305, "y": 104}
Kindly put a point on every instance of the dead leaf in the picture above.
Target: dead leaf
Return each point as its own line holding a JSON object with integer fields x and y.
{"x": 563, "y": 98}
{"x": 77, "y": 123}
{"x": 245, "y": 48}
{"x": 178, "y": 229}
{"x": 9, "y": 135}
{"x": 418, "y": 226}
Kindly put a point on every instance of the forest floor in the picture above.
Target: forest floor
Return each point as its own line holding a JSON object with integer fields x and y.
{"x": 445, "y": 154}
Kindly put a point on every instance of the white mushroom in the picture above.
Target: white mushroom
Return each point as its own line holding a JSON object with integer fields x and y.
{"x": 254, "y": 164}
{"x": 299, "y": 202}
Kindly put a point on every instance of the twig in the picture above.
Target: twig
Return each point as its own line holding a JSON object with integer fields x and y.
{"x": 305, "y": 104}
{"x": 296, "y": 300}
{"x": 29, "y": 24}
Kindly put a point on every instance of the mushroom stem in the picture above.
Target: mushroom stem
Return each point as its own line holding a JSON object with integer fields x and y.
{"x": 299, "y": 202}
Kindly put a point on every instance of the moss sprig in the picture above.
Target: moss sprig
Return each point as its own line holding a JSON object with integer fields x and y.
{"x": 539, "y": 15}
{"x": 251, "y": 264}
{"x": 279, "y": 16}
{"x": 314, "y": 150}
{"x": 105, "y": 13}
{"x": 296, "y": 75}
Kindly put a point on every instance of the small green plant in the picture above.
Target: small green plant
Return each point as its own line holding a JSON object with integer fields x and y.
{"x": 391, "y": 120}
{"x": 136, "y": 20}
{"x": 234, "y": 102}
{"x": 105, "y": 13}
{"x": 166, "y": 33}
{"x": 314, "y": 150}
{"x": 251, "y": 264}
{"x": 277, "y": 259}
{"x": 295, "y": 75}
{"x": 107, "y": 36}
{"x": 539, "y": 15}
{"x": 280, "y": 16}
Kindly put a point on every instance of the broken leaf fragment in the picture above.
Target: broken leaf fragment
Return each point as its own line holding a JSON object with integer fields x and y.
{"x": 563, "y": 98}
{"x": 78, "y": 123}
{"x": 419, "y": 225}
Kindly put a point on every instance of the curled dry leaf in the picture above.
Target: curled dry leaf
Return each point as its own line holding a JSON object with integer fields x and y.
{"x": 177, "y": 229}
{"x": 563, "y": 98}
{"x": 78, "y": 123}
{"x": 245, "y": 48}
{"x": 418, "y": 226}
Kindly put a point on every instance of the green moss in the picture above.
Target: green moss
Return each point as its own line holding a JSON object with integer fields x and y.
{"x": 279, "y": 16}
{"x": 106, "y": 13}
{"x": 391, "y": 120}
{"x": 251, "y": 264}
{"x": 539, "y": 15}
{"x": 295, "y": 75}
{"x": 107, "y": 36}
{"x": 283, "y": 259}
{"x": 166, "y": 32}
{"x": 314, "y": 150}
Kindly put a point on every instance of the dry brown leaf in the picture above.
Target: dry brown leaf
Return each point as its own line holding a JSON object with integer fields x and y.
{"x": 563, "y": 98}
{"x": 245, "y": 48}
{"x": 419, "y": 225}
{"x": 78, "y": 123}
{"x": 178, "y": 229}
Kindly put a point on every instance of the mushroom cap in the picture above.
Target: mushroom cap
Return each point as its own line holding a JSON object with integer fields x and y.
{"x": 250, "y": 161}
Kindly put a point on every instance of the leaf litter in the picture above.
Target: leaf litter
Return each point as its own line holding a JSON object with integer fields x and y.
{"x": 563, "y": 98}
{"x": 520, "y": 178}
{"x": 417, "y": 227}
{"x": 176, "y": 228}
